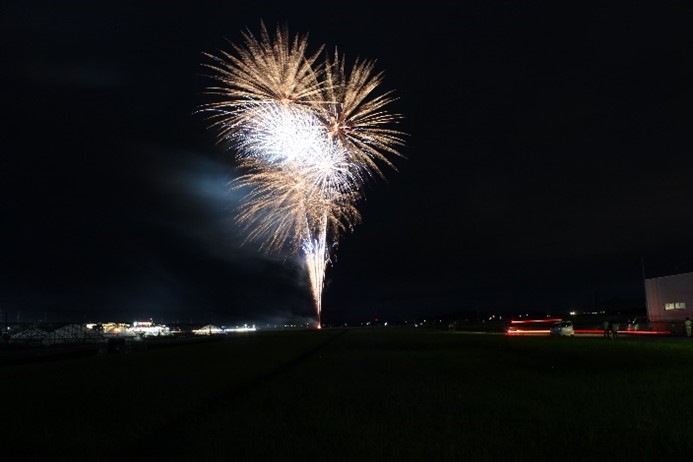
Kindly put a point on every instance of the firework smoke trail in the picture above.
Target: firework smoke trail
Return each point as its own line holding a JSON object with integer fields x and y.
{"x": 308, "y": 136}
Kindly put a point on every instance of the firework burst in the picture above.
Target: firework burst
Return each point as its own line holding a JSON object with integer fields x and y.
{"x": 307, "y": 135}
{"x": 356, "y": 119}
{"x": 263, "y": 70}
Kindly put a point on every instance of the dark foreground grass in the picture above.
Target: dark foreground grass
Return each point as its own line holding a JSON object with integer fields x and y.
{"x": 361, "y": 395}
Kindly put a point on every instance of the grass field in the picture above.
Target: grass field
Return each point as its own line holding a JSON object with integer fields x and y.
{"x": 359, "y": 395}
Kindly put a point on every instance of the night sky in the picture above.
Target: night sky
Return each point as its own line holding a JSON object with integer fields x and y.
{"x": 548, "y": 161}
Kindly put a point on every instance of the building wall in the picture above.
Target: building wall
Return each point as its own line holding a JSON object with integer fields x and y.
{"x": 669, "y": 298}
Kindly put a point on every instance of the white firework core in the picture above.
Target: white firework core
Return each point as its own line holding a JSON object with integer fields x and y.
{"x": 278, "y": 133}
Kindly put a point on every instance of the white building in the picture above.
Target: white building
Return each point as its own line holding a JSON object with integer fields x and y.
{"x": 72, "y": 334}
{"x": 209, "y": 329}
{"x": 150, "y": 329}
{"x": 669, "y": 300}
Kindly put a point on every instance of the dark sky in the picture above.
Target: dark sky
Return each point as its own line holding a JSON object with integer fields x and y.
{"x": 548, "y": 157}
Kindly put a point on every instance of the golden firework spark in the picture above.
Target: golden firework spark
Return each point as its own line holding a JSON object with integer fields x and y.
{"x": 262, "y": 70}
{"x": 307, "y": 136}
{"x": 355, "y": 118}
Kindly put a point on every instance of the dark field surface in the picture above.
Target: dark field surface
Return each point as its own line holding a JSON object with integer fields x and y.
{"x": 359, "y": 395}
